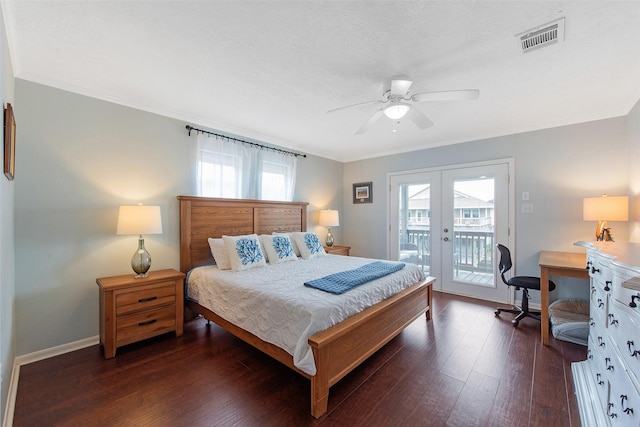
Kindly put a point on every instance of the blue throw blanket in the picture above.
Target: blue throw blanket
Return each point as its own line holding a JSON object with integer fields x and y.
{"x": 339, "y": 283}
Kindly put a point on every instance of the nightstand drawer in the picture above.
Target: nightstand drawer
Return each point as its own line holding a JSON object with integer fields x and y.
{"x": 145, "y": 324}
{"x": 146, "y": 297}
{"x": 337, "y": 250}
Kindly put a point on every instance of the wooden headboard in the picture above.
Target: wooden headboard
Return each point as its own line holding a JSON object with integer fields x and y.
{"x": 202, "y": 217}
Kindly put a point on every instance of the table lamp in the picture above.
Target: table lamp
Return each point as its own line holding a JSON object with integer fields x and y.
{"x": 329, "y": 218}
{"x": 603, "y": 209}
{"x": 140, "y": 220}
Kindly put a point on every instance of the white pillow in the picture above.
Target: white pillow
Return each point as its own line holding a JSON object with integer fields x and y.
{"x": 219, "y": 252}
{"x": 309, "y": 244}
{"x": 244, "y": 252}
{"x": 293, "y": 242}
{"x": 278, "y": 248}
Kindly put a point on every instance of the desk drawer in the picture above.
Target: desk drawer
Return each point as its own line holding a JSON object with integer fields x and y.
{"x": 145, "y": 298}
{"x": 145, "y": 324}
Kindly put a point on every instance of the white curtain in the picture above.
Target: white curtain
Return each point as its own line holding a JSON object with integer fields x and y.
{"x": 235, "y": 170}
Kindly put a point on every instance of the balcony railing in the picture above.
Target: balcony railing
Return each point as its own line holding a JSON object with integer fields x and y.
{"x": 473, "y": 251}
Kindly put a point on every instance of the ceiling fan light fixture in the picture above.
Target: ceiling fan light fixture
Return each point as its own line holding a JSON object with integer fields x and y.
{"x": 396, "y": 111}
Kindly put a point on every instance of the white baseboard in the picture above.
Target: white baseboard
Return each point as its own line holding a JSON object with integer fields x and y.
{"x": 35, "y": 357}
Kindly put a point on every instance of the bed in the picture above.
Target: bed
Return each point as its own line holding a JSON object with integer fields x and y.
{"x": 336, "y": 350}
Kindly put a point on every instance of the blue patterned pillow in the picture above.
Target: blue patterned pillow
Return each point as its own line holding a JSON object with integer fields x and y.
{"x": 278, "y": 248}
{"x": 244, "y": 252}
{"x": 309, "y": 244}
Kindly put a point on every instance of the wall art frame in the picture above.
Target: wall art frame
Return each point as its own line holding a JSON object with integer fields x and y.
{"x": 9, "y": 143}
{"x": 363, "y": 192}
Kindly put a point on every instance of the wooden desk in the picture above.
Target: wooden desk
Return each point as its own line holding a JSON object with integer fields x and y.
{"x": 567, "y": 264}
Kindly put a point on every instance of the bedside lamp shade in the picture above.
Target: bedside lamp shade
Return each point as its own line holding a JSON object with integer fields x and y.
{"x": 329, "y": 218}
{"x": 140, "y": 220}
{"x": 603, "y": 209}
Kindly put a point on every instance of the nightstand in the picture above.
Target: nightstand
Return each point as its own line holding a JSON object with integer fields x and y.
{"x": 135, "y": 309}
{"x": 337, "y": 250}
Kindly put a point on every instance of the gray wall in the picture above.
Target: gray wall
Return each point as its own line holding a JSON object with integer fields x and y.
{"x": 80, "y": 158}
{"x": 558, "y": 167}
{"x": 633, "y": 129}
{"x": 7, "y": 276}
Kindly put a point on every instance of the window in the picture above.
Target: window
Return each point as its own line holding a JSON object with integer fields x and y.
{"x": 234, "y": 170}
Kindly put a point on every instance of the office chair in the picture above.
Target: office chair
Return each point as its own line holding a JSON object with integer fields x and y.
{"x": 523, "y": 283}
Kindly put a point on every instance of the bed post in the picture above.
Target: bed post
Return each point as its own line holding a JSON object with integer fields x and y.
{"x": 320, "y": 383}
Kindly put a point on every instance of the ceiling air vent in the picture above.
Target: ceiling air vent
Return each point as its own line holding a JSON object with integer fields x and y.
{"x": 542, "y": 36}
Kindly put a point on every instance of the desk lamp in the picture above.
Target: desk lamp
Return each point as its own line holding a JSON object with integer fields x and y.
{"x": 140, "y": 220}
{"x": 329, "y": 218}
{"x": 603, "y": 209}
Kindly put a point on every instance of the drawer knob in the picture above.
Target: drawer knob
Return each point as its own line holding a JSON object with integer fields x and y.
{"x": 147, "y": 299}
{"x": 588, "y": 264}
{"x": 594, "y": 270}
{"x": 149, "y": 322}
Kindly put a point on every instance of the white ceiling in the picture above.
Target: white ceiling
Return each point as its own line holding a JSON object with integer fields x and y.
{"x": 269, "y": 70}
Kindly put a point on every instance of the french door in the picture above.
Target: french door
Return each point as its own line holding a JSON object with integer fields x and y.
{"x": 449, "y": 220}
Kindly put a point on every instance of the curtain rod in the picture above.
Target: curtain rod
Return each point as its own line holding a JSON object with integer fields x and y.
{"x": 190, "y": 128}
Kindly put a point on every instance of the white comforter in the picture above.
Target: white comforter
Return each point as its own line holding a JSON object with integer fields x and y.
{"x": 272, "y": 303}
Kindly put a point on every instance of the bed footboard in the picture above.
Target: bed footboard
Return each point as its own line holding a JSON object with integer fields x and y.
{"x": 340, "y": 349}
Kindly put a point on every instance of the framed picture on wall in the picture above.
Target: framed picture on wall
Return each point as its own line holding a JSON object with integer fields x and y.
{"x": 9, "y": 143}
{"x": 362, "y": 193}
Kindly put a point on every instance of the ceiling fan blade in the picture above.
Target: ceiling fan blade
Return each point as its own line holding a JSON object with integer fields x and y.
{"x": 400, "y": 87}
{"x": 447, "y": 95}
{"x": 371, "y": 121}
{"x": 356, "y": 105}
{"x": 418, "y": 118}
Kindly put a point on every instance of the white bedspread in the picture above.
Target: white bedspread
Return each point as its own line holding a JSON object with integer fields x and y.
{"x": 272, "y": 303}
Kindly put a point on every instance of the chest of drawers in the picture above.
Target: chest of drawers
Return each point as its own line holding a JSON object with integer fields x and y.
{"x": 607, "y": 383}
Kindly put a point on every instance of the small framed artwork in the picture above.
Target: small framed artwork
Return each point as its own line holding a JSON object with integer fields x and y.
{"x": 362, "y": 193}
{"x": 9, "y": 143}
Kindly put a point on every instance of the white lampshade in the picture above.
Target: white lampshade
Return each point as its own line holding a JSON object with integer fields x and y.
{"x": 139, "y": 220}
{"x": 606, "y": 208}
{"x": 329, "y": 218}
{"x": 396, "y": 111}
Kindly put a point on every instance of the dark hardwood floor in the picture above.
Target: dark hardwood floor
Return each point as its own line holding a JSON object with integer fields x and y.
{"x": 465, "y": 367}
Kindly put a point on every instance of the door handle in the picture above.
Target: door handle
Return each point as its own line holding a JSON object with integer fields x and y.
{"x": 446, "y": 239}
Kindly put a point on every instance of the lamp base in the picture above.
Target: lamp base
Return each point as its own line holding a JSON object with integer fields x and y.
{"x": 603, "y": 233}
{"x": 141, "y": 261}
{"x": 329, "y": 241}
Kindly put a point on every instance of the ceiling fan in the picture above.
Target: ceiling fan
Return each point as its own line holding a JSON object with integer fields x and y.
{"x": 397, "y": 103}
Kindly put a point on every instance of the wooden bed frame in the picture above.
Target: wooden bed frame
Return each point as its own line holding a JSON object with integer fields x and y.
{"x": 337, "y": 350}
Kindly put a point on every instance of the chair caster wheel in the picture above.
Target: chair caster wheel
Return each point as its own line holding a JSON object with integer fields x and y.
{"x": 515, "y": 323}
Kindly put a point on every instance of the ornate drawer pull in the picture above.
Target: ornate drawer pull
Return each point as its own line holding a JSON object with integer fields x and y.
{"x": 600, "y": 303}
{"x": 601, "y": 343}
{"x": 591, "y": 322}
{"x": 606, "y": 361}
{"x": 606, "y": 285}
{"x": 594, "y": 270}
{"x": 611, "y": 414}
{"x": 147, "y": 322}
{"x": 625, "y": 410}
{"x": 633, "y": 304}
{"x": 588, "y": 264}
{"x": 632, "y": 351}
{"x": 147, "y": 299}
{"x": 600, "y": 382}
{"x": 612, "y": 320}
